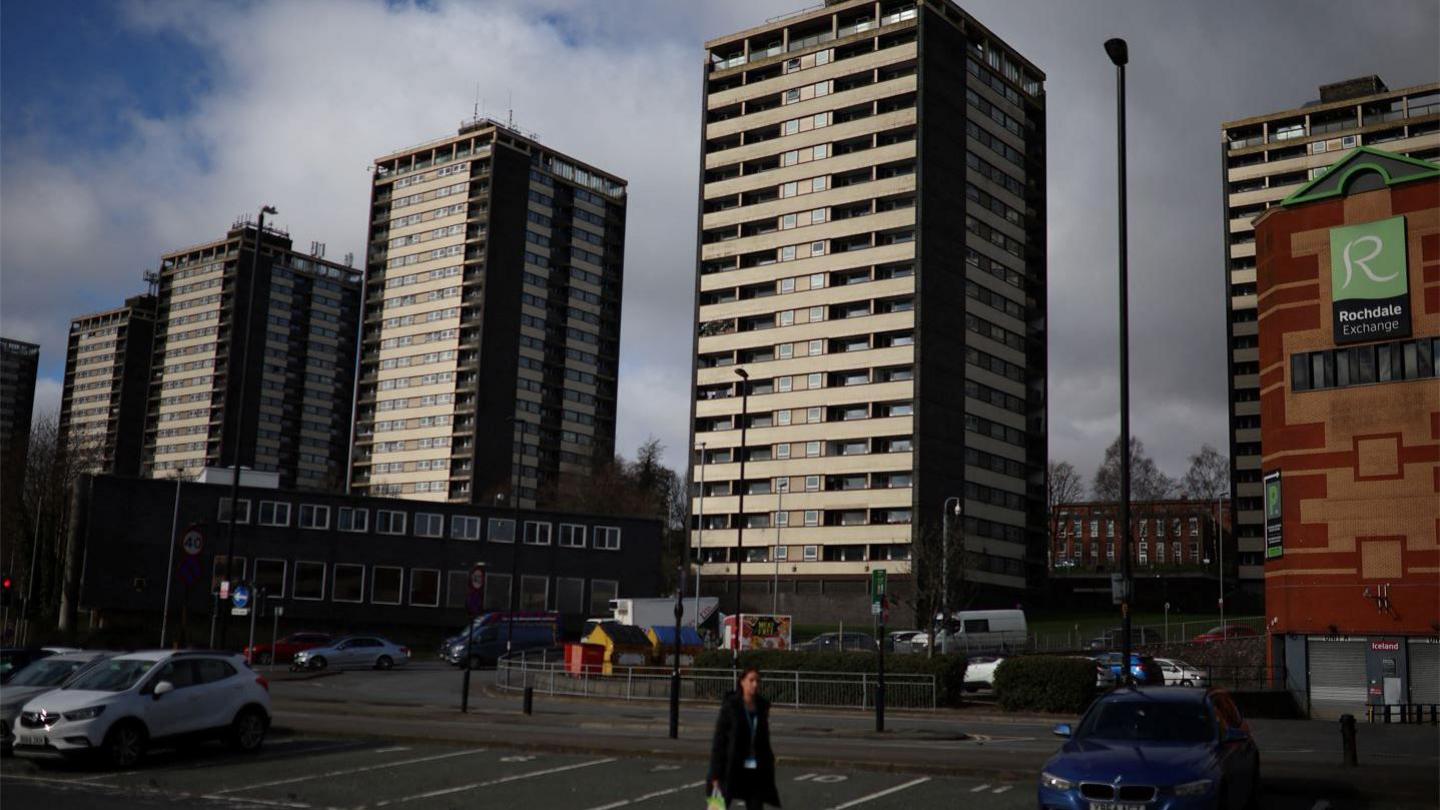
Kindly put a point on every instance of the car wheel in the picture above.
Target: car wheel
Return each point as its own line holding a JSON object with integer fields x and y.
{"x": 125, "y": 744}
{"x": 318, "y": 662}
{"x": 1186, "y": 682}
{"x": 384, "y": 662}
{"x": 247, "y": 732}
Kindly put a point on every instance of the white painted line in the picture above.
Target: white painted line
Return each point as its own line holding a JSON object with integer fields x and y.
{"x": 391, "y": 749}
{"x": 657, "y": 794}
{"x": 980, "y": 788}
{"x": 1002, "y": 789}
{"x": 346, "y": 771}
{"x": 264, "y": 802}
{"x": 879, "y": 794}
{"x": 502, "y": 780}
{"x": 1322, "y": 804}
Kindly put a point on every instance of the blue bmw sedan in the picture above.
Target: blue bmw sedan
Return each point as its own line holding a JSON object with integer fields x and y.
{"x": 1155, "y": 748}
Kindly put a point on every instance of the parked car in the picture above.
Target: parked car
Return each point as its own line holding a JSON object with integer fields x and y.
{"x": 490, "y": 642}
{"x": 1224, "y": 632}
{"x": 36, "y": 679}
{"x": 1179, "y": 673}
{"x": 980, "y": 672}
{"x": 1143, "y": 669}
{"x": 1134, "y": 747}
{"x": 13, "y": 659}
{"x": 1139, "y": 637}
{"x": 353, "y": 652}
{"x": 122, "y": 706}
{"x": 899, "y": 640}
{"x": 283, "y": 650}
{"x": 837, "y": 642}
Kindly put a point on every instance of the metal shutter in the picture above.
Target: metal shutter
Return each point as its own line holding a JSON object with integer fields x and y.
{"x": 1337, "y": 678}
{"x": 1424, "y": 671}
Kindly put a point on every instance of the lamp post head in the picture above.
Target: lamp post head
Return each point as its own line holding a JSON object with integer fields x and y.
{"x": 268, "y": 209}
{"x": 742, "y": 373}
{"x": 1118, "y": 51}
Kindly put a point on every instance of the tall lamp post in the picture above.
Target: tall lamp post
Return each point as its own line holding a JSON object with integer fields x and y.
{"x": 699, "y": 538}
{"x": 740, "y": 509}
{"x": 517, "y": 538}
{"x": 239, "y": 403}
{"x": 1119, "y": 54}
{"x": 1220, "y": 550}
{"x": 952, "y": 506}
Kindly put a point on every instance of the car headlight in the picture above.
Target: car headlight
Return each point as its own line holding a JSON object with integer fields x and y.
{"x": 1050, "y": 780}
{"x": 84, "y": 714}
{"x": 1197, "y": 788}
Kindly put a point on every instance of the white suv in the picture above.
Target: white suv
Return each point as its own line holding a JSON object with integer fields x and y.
{"x": 120, "y": 707}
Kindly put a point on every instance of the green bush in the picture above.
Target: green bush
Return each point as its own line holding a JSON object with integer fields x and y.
{"x": 1045, "y": 683}
{"x": 949, "y": 670}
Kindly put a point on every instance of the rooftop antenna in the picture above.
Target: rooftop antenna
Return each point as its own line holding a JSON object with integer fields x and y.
{"x": 509, "y": 109}
{"x": 477, "y": 101}
{"x": 152, "y": 281}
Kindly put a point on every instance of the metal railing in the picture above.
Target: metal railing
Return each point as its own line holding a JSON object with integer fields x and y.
{"x": 1403, "y": 713}
{"x": 545, "y": 672}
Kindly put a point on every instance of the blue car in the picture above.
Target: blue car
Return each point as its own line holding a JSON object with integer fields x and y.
{"x": 1152, "y": 748}
{"x": 1144, "y": 670}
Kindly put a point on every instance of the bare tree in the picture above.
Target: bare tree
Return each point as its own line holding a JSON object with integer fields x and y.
{"x": 1208, "y": 477}
{"x": 1147, "y": 482}
{"x": 1063, "y": 485}
{"x": 936, "y": 567}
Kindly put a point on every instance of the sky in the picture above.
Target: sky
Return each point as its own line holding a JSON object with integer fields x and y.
{"x": 129, "y": 129}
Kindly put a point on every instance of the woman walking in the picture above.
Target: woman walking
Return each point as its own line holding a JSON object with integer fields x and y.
{"x": 742, "y": 764}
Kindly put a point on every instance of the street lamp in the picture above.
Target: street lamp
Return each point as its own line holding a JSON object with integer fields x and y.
{"x": 740, "y": 509}
{"x": 1119, "y": 54}
{"x": 700, "y": 538}
{"x": 952, "y": 505}
{"x": 1220, "y": 551}
{"x": 515, "y": 539}
{"x": 239, "y": 403}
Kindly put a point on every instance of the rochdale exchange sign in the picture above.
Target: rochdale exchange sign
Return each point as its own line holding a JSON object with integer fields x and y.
{"x": 1370, "y": 281}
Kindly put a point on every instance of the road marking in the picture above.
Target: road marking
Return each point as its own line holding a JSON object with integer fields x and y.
{"x": 512, "y": 778}
{"x": 1002, "y": 789}
{"x": 347, "y": 771}
{"x": 980, "y": 788}
{"x": 263, "y": 802}
{"x": 657, "y": 794}
{"x": 1322, "y": 804}
{"x": 879, "y": 794}
{"x": 391, "y": 749}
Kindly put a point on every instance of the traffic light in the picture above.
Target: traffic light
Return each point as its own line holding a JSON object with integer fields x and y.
{"x": 7, "y": 590}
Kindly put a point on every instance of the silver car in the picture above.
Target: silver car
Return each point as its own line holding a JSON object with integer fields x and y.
{"x": 353, "y": 652}
{"x": 37, "y": 678}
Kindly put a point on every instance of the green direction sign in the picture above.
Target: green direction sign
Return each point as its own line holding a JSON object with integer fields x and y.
{"x": 877, "y": 586}
{"x": 1369, "y": 281}
{"x": 1274, "y": 532}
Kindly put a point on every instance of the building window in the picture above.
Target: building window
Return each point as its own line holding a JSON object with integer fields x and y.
{"x": 309, "y": 581}
{"x": 497, "y": 591}
{"x": 388, "y": 521}
{"x": 572, "y": 535}
{"x": 457, "y": 588}
{"x": 313, "y": 516}
{"x": 424, "y": 587}
{"x": 270, "y": 577}
{"x": 1094, "y": 528}
{"x": 349, "y": 583}
{"x": 464, "y": 528}
{"x": 782, "y": 553}
{"x": 501, "y": 530}
{"x": 812, "y": 517}
{"x": 569, "y": 595}
{"x": 607, "y": 538}
{"x": 352, "y": 520}
{"x": 429, "y": 524}
{"x": 242, "y": 515}
{"x": 385, "y": 584}
{"x": 812, "y": 483}
{"x": 537, "y": 533}
{"x": 1194, "y": 527}
{"x": 534, "y": 592}
{"x": 274, "y": 513}
{"x": 601, "y": 592}
{"x": 812, "y": 553}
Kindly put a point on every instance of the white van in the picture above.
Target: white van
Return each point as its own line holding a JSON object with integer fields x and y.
{"x": 986, "y": 630}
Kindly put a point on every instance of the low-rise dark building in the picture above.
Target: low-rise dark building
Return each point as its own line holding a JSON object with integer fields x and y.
{"x": 343, "y": 562}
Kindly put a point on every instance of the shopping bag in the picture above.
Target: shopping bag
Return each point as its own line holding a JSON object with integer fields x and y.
{"x": 716, "y": 800}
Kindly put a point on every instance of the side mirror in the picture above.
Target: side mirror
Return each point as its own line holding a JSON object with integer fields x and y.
{"x": 1062, "y": 730}
{"x": 162, "y": 688}
{"x": 1235, "y": 735}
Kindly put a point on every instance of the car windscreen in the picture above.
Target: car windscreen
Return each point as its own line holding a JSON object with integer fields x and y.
{"x": 112, "y": 676}
{"x": 1150, "y": 721}
{"x": 46, "y": 672}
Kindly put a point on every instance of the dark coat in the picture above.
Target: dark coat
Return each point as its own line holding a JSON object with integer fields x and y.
{"x": 730, "y": 747}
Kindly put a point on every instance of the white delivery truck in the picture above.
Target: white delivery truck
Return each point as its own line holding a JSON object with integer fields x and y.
{"x": 985, "y": 630}
{"x": 661, "y": 611}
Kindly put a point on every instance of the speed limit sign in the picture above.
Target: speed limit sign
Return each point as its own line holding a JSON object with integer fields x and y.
{"x": 193, "y": 540}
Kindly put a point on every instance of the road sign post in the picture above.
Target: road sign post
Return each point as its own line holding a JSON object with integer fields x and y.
{"x": 877, "y": 607}
{"x": 250, "y": 648}
{"x": 474, "y": 604}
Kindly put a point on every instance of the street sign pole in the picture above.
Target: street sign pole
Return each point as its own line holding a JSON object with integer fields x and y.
{"x": 474, "y": 603}
{"x": 274, "y": 632}
{"x": 877, "y": 607}
{"x": 259, "y": 602}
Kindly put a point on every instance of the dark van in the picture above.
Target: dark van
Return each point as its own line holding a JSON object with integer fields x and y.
{"x": 489, "y": 638}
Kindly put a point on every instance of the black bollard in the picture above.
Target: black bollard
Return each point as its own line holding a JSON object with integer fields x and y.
{"x": 529, "y": 701}
{"x": 1347, "y": 739}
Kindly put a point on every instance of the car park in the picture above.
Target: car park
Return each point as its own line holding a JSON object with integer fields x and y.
{"x": 122, "y": 706}
{"x": 353, "y": 652}
{"x": 1225, "y": 632}
{"x": 838, "y": 642}
{"x": 284, "y": 649}
{"x": 37, "y": 678}
{"x": 1154, "y": 749}
{"x": 1179, "y": 673}
{"x": 980, "y": 672}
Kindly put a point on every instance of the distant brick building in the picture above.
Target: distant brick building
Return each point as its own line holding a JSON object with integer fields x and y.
{"x": 1349, "y": 326}
{"x": 1174, "y": 534}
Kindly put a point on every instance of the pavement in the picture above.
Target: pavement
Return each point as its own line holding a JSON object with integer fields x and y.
{"x": 363, "y": 740}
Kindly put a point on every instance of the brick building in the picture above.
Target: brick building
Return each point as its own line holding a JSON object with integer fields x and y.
{"x": 1349, "y": 328}
{"x": 1164, "y": 535}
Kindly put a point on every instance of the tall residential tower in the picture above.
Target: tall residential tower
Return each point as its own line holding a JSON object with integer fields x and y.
{"x": 300, "y": 314}
{"x": 491, "y": 334}
{"x": 873, "y": 258}
{"x": 107, "y": 379}
{"x": 1265, "y": 159}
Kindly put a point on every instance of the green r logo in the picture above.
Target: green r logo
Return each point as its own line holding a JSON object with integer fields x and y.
{"x": 1368, "y": 261}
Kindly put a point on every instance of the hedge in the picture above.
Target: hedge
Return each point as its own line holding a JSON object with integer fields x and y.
{"x": 949, "y": 670}
{"x": 1045, "y": 683}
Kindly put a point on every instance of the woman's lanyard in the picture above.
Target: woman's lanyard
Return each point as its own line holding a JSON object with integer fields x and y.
{"x": 753, "y": 719}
